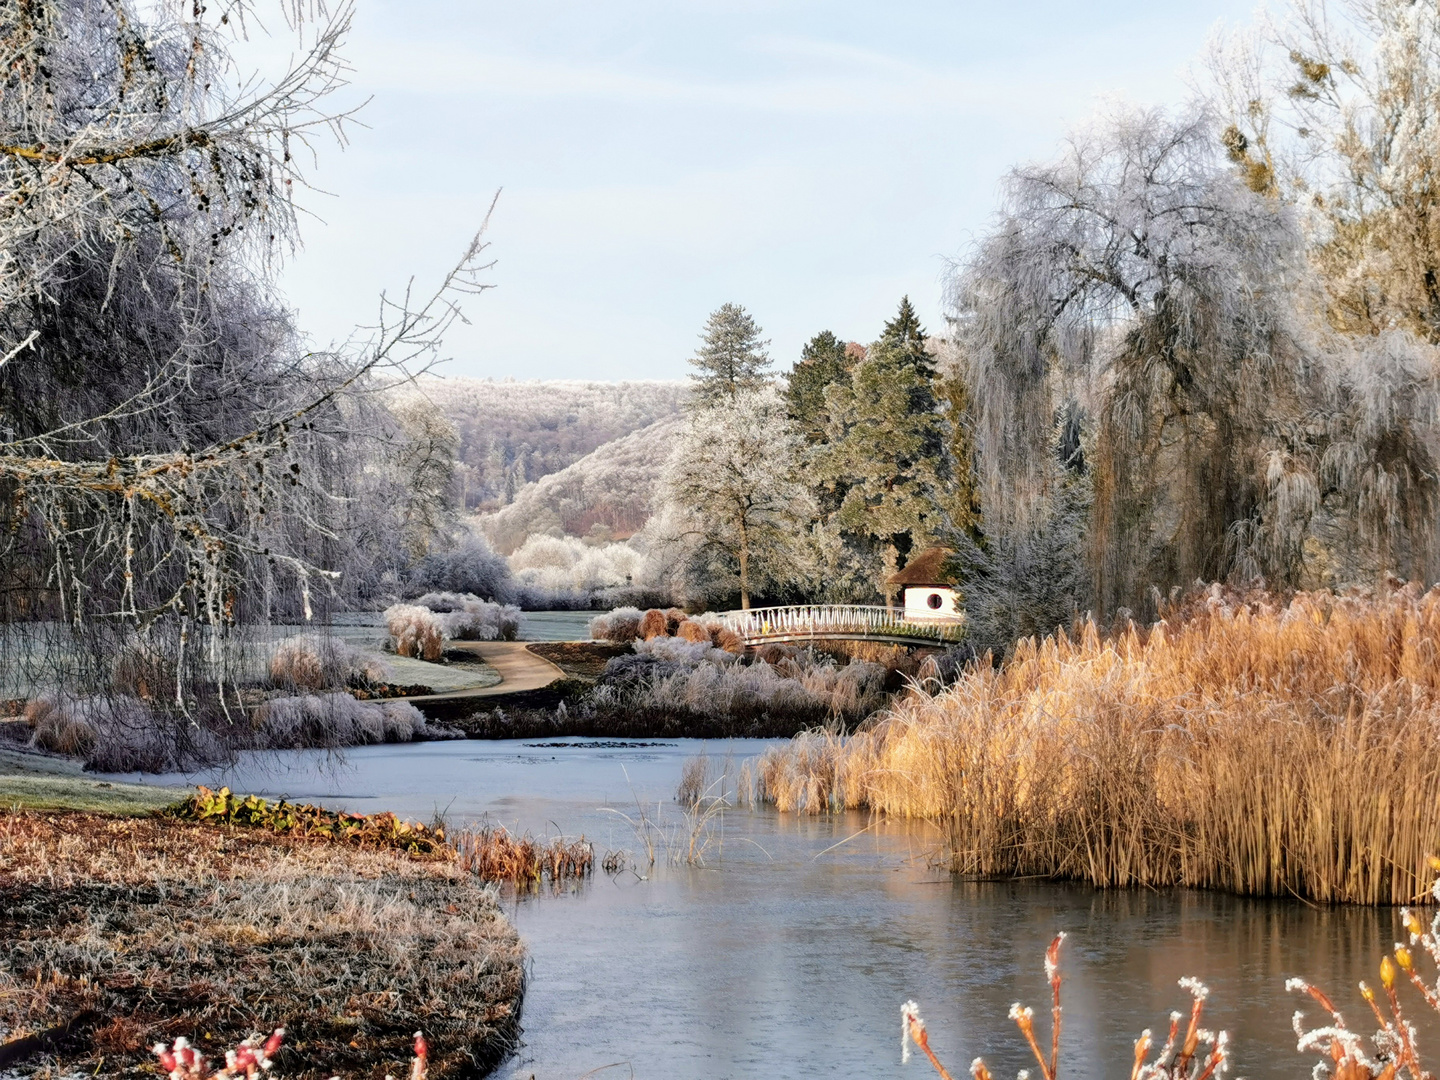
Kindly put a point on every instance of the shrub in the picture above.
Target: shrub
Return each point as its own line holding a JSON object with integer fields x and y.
{"x": 469, "y": 618}
{"x": 143, "y": 672}
{"x": 690, "y": 630}
{"x": 118, "y": 733}
{"x": 321, "y": 662}
{"x": 471, "y": 567}
{"x": 622, "y": 624}
{"x": 333, "y": 720}
{"x": 652, "y": 624}
{"x": 416, "y": 631}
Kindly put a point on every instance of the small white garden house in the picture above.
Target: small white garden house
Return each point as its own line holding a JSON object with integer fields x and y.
{"x": 930, "y": 594}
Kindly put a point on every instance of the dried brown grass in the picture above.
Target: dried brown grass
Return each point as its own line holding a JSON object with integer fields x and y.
{"x": 496, "y": 854}
{"x": 165, "y": 928}
{"x": 1244, "y": 744}
{"x": 652, "y": 624}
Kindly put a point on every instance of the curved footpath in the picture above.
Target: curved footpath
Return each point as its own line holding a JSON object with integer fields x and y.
{"x": 519, "y": 670}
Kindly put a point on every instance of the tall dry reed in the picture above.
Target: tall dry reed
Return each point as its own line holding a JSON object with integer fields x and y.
{"x": 1243, "y": 743}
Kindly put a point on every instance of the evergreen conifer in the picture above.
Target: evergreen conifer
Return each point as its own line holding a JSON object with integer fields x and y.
{"x": 731, "y": 357}
{"x": 822, "y": 364}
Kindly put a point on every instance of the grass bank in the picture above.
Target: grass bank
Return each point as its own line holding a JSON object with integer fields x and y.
{"x": 1247, "y": 744}
{"x": 152, "y": 928}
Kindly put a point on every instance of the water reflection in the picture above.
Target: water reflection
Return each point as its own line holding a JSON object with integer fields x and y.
{"x": 790, "y": 954}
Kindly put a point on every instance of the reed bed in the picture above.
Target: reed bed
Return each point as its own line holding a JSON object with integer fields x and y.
{"x": 496, "y": 854}
{"x": 1242, "y": 743}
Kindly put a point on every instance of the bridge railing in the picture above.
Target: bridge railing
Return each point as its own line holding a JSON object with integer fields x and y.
{"x": 821, "y": 620}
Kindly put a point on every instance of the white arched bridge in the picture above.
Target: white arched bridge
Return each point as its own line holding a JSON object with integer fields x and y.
{"x": 845, "y": 622}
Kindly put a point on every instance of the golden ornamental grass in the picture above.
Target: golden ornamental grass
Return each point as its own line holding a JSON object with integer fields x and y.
{"x": 1243, "y": 743}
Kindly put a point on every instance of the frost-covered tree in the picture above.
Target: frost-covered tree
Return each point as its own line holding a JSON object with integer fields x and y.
{"x": 174, "y": 465}
{"x": 731, "y": 357}
{"x": 737, "y": 502}
{"x": 1336, "y": 109}
{"x": 1142, "y": 280}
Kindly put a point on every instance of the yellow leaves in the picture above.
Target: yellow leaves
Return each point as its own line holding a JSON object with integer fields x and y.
{"x": 1387, "y": 973}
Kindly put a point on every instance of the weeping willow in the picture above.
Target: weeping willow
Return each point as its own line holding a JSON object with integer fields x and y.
{"x": 1229, "y": 432}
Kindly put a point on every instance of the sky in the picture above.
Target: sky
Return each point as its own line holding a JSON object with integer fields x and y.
{"x": 813, "y": 161}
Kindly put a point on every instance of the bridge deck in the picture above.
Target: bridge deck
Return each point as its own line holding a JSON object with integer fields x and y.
{"x": 838, "y": 621}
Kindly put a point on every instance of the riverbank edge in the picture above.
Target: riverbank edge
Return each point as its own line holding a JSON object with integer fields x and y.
{"x": 206, "y": 850}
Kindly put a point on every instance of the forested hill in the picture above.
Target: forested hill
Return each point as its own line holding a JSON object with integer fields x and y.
{"x": 614, "y": 488}
{"x": 514, "y": 432}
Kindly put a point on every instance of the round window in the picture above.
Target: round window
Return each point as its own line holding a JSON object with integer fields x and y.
{"x": 935, "y": 600}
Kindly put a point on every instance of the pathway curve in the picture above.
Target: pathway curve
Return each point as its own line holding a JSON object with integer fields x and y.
{"x": 518, "y": 667}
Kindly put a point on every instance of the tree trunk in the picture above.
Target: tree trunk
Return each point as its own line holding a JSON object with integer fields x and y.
{"x": 744, "y": 566}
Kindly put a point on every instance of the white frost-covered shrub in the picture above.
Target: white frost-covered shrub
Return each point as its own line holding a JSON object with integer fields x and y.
{"x": 465, "y": 617}
{"x": 690, "y": 653}
{"x": 422, "y": 628}
{"x": 622, "y": 624}
{"x": 555, "y": 571}
{"x": 311, "y": 720}
{"x": 470, "y": 567}
{"x": 321, "y": 662}
{"x": 415, "y": 631}
{"x": 117, "y": 733}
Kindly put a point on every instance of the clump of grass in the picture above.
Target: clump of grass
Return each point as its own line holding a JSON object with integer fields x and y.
{"x": 495, "y": 854}
{"x": 1243, "y": 743}
{"x": 156, "y": 928}
{"x": 415, "y": 631}
{"x": 319, "y": 662}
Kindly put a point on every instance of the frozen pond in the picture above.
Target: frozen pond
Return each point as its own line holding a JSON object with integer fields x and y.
{"x": 789, "y": 953}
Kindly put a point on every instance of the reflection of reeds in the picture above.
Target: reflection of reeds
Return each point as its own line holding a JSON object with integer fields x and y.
{"x": 495, "y": 854}
{"x": 1245, "y": 744}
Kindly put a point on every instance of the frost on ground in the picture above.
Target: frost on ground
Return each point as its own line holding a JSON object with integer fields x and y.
{"x": 163, "y": 928}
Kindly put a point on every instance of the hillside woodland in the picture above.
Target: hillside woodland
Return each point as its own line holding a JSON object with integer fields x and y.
{"x": 508, "y": 434}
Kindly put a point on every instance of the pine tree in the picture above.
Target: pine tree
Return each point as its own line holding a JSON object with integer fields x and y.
{"x": 731, "y": 357}
{"x": 887, "y": 463}
{"x": 822, "y": 363}
{"x": 906, "y": 338}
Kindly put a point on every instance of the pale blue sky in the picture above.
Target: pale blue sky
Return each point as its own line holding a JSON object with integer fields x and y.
{"x": 810, "y": 160}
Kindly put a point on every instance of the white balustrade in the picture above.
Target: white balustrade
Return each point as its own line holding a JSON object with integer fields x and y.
{"x": 821, "y": 620}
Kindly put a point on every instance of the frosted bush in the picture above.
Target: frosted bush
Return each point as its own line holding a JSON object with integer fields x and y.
{"x": 422, "y": 628}
{"x": 690, "y": 653}
{"x": 119, "y": 733}
{"x": 622, "y": 624}
{"x": 307, "y": 720}
{"x": 677, "y": 677}
{"x": 472, "y": 567}
{"x": 320, "y": 662}
{"x": 465, "y": 617}
{"x": 415, "y": 631}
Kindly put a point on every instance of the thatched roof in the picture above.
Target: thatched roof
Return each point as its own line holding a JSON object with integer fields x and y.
{"x": 926, "y": 568}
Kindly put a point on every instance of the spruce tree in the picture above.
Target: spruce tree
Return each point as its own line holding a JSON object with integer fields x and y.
{"x": 822, "y": 364}
{"x": 731, "y": 357}
{"x": 906, "y": 338}
{"x": 887, "y": 464}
